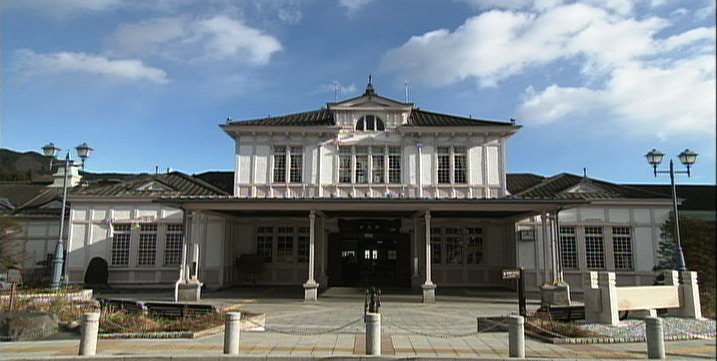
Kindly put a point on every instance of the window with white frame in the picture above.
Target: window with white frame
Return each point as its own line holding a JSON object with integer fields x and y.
{"x": 452, "y": 165}
{"x": 121, "y": 236}
{"x": 375, "y": 164}
{"x": 622, "y": 248}
{"x": 173, "y": 244}
{"x": 370, "y": 123}
{"x": 457, "y": 245}
{"x": 264, "y": 243}
{"x": 594, "y": 248}
{"x": 568, "y": 248}
{"x": 283, "y": 244}
{"x": 288, "y": 164}
{"x": 147, "y": 248}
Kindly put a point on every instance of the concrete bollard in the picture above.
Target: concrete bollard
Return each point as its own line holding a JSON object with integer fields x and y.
{"x": 373, "y": 333}
{"x": 232, "y": 330}
{"x": 516, "y": 336}
{"x": 655, "y": 338}
{"x": 89, "y": 330}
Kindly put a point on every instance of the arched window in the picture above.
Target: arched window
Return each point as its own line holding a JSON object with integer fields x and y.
{"x": 370, "y": 122}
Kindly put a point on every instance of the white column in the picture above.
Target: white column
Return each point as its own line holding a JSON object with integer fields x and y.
{"x": 429, "y": 289}
{"x": 310, "y": 287}
{"x": 418, "y": 170}
{"x": 545, "y": 237}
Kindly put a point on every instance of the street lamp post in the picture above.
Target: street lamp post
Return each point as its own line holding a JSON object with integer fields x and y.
{"x": 687, "y": 158}
{"x": 59, "y": 275}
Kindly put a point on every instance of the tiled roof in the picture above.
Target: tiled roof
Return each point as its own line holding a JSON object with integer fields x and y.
{"x": 559, "y": 186}
{"x": 223, "y": 180}
{"x": 323, "y": 117}
{"x": 517, "y": 182}
{"x": 160, "y": 185}
{"x": 311, "y": 118}
{"x": 430, "y": 119}
{"x": 27, "y": 198}
{"x": 696, "y": 197}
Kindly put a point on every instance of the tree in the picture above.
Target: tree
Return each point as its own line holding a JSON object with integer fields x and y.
{"x": 699, "y": 245}
{"x": 11, "y": 250}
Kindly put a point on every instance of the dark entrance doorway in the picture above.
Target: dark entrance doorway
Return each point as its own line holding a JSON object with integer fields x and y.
{"x": 369, "y": 252}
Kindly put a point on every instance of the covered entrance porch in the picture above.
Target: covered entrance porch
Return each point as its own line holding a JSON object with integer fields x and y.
{"x": 324, "y": 242}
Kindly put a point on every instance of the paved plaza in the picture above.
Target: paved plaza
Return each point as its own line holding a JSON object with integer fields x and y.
{"x": 333, "y": 327}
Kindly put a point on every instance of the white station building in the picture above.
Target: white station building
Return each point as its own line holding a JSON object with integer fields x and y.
{"x": 366, "y": 192}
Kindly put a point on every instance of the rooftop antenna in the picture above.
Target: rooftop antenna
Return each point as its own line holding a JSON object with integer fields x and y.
{"x": 156, "y": 170}
{"x": 585, "y": 172}
{"x": 336, "y": 90}
{"x": 405, "y": 83}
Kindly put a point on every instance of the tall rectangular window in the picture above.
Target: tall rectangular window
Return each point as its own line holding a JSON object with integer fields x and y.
{"x": 285, "y": 245}
{"x": 173, "y": 245}
{"x": 265, "y": 243}
{"x": 452, "y": 165}
{"x": 568, "y": 248}
{"x": 120, "y": 244}
{"x": 288, "y": 164}
{"x": 369, "y": 164}
{"x": 302, "y": 245}
{"x": 622, "y": 248}
{"x": 458, "y": 245}
{"x": 394, "y": 165}
{"x": 345, "y": 162}
{"x": 147, "y": 250}
{"x": 594, "y": 250}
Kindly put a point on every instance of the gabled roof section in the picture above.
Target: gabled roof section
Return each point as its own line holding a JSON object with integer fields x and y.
{"x": 517, "y": 182}
{"x": 310, "y": 118}
{"x": 424, "y": 118}
{"x": 570, "y": 186}
{"x": 20, "y": 198}
{"x": 160, "y": 185}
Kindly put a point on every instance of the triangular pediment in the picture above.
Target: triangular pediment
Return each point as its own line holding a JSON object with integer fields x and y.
{"x": 154, "y": 186}
{"x": 585, "y": 187}
{"x": 370, "y": 101}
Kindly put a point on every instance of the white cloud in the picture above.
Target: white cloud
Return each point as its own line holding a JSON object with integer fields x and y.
{"x": 228, "y": 38}
{"x": 182, "y": 38}
{"x": 639, "y": 72}
{"x": 676, "y": 99}
{"x": 498, "y": 44}
{"x": 34, "y": 64}
{"x": 354, "y": 5}
{"x": 338, "y": 89}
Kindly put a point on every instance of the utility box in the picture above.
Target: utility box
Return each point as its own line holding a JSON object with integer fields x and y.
{"x": 190, "y": 291}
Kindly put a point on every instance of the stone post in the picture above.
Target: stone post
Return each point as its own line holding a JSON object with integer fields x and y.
{"x": 608, "y": 298}
{"x": 592, "y": 297}
{"x": 516, "y": 336}
{"x": 89, "y": 330}
{"x": 690, "y": 295}
{"x": 655, "y": 338}
{"x": 373, "y": 333}
{"x": 232, "y": 331}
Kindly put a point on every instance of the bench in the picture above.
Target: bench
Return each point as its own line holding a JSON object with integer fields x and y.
{"x": 120, "y": 304}
{"x": 564, "y": 313}
{"x": 178, "y": 309}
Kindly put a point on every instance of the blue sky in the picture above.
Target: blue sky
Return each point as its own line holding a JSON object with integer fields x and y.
{"x": 596, "y": 84}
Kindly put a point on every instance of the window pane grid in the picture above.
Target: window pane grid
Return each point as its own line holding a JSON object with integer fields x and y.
{"x": 147, "y": 248}
{"x": 120, "y": 244}
{"x": 173, "y": 245}
{"x": 622, "y": 248}
{"x": 460, "y": 245}
{"x": 568, "y": 248}
{"x": 594, "y": 250}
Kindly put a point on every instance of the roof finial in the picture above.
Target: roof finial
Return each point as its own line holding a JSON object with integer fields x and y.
{"x": 369, "y": 87}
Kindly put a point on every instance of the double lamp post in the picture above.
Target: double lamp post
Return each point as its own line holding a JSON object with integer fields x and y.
{"x": 59, "y": 271}
{"x": 687, "y": 158}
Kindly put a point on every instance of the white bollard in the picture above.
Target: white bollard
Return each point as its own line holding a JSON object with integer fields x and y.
{"x": 89, "y": 330}
{"x": 232, "y": 330}
{"x": 516, "y": 336}
{"x": 373, "y": 333}
{"x": 655, "y": 338}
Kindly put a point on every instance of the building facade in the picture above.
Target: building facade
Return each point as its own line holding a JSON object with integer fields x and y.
{"x": 365, "y": 192}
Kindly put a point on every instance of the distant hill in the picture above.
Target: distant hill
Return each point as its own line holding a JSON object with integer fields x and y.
{"x": 16, "y": 166}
